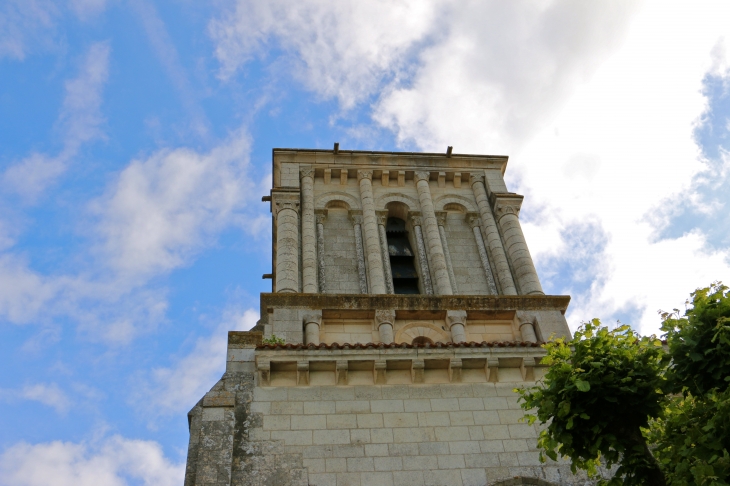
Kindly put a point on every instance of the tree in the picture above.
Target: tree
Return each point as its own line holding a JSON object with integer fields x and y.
{"x": 613, "y": 397}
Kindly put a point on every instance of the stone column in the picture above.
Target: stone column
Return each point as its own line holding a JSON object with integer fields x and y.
{"x": 441, "y": 220}
{"x": 421, "y": 248}
{"x": 286, "y": 208}
{"x": 320, "y": 217}
{"x": 433, "y": 241}
{"x": 456, "y": 320}
{"x": 374, "y": 259}
{"x": 507, "y": 207}
{"x": 382, "y": 222}
{"x": 491, "y": 236}
{"x": 474, "y": 222}
{"x": 384, "y": 320}
{"x": 309, "y": 238}
{"x": 312, "y": 324}
{"x": 356, "y": 217}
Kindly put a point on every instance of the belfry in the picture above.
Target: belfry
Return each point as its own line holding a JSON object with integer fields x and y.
{"x": 405, "y": 308}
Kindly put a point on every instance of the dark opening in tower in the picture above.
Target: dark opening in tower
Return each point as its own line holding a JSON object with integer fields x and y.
{"x": 405, "y": 277}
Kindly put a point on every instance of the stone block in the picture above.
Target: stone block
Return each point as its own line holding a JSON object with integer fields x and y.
{"x": 417, "y": 405}
{"x": 434, "y": 419}
{"x": 493, "y": 432}
{"x": 384, "y": 436}
{"x": 515, "y": 445}
{"x": 491, "y": 446}
{"x": 449, "y": 477}
{"x": 377, "y": 406}
{"x": 376, "y": 479}
{"x": 314, "y": 408}
{"x": 403, "y": 449}
{"x": 473, "y": 477}
{"x": 418, "y": 463}
{"x": 376, "y": 450}
{"x": 286, "y": 408}
{"x": 408, "y": 478}
{"x": 293, "y": 437}
{"x": 461, "y": 418}
{"x": 388, "y": 463}
{"x": 369, "y": 421}
{"x": 481, "y": 460}
{"x": 341, "y": 422}
{"x": 486, "y": 417}
{"x": 464, "y": 447}
{"x": 325, "y": 479}
{"x": 331, "y": 437}
{"x": 360, "y": 464}
{"x": 471, "y": 404}
{"x": 213, "y": 414}
{"x": 413, "y": 434}
{"x": 522, "y": 431}
{"x": 336, "y": 464}
{"x": 433, "y": 448}
{"x": 352, "y": 406}
{"x": 360, "y": 436}
{"x": 400, "y": 420}
{"x": 455, "y": 461}
{"x": 277, "y": 422}
{"x": 308, "y": 422}
{"x": 449, "y": 434}
{"x": 444, "y": 404}
{"x": 349, "y": 479}
{"x": 314, "y": 465}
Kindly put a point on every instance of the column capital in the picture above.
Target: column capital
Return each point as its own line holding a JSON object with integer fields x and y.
{"x": 306, "y": 171}
{"x": 315, "y": 318}
{"x": 474, "y": 178}
{"x": 454, "y": 317}
{"x": 285, "y": 200}
{"x": 356, "y": 216}
{"x": 320, "y": 215}
{"x": 473, "y": 220}
{"x": 421, "y": 175}
{"x": 415, "y": 218}
{"x": 441, "y": 218}
{"x": 384, "y": 316}
{"x": 506, "y": 203}
{"x": 382, "y": 217}
{"x": 365, "y": 174}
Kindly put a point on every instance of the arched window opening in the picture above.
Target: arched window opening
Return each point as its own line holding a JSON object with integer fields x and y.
{"x": 421, "y": 340}
{"x": 405, "y": 277}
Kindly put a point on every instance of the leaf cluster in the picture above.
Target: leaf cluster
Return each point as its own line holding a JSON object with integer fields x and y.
{"x": 662, "y": 414}
{"x": 600, "y": 389}
{"x": 274, "y": 339}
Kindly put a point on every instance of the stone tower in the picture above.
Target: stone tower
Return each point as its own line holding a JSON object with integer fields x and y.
{"x": 410, "y": 309}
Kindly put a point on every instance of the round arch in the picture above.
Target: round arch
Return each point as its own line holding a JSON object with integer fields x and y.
{"x": 417, "y": 329}
{"x": 440, "y": 202}
{"x": 324, "y": 200}
{"x": 383, "y": 200}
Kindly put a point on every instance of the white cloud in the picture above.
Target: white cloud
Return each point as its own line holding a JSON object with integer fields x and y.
{"x": 163, "y": 209}
{"x": 49, "y": 394}
{"x": 115, "y": 461}
{"x": 79, "y": 122}
{"x": 176, "y": 389}
{"x": 339, "y": 49}
{"x": 26, "y": 25}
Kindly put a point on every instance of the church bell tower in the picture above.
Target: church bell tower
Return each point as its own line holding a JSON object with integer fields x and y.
{"x": 405, "y": 308}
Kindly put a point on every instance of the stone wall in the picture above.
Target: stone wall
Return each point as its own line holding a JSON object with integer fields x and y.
{"x": 340, "y": 258}
{"x": 468, "y": 270}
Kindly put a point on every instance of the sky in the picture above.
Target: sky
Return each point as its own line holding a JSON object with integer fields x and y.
{"x": 135, "y": 146}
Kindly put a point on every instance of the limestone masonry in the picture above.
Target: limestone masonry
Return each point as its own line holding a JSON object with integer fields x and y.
{"x": 410, "y": 309}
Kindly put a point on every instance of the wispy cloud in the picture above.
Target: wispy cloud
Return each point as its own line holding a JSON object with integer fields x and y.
{"x": 79, "y": 122}
{"x": 114, "y": 461}
{"x": 341, "y": 50}
{"x": 177, "y": 388}
{"x": 26, "y": 25}
{"x": 49, "y": 394}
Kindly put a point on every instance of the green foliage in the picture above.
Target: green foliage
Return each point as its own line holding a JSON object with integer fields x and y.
{"x": 616, "y": 398}
{"x": 274, "y": 339}
{"x": 699, "y": 342}
{"x": 596, "y": 398}
{"x": 693, "y": 440}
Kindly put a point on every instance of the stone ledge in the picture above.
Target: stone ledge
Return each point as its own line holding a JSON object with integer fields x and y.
{"x": 474, "y": 303}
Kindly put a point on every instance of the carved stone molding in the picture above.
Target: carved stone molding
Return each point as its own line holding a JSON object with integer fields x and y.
{"x": 320, "y": 215}
{"x": 364, "y": 174}
{"x": 421, "y": 175}
{"x": 356, "y": 216}
{"x": 473, "y": 220}
{"x": 382, "y": 217}
{"x": 506, "y": 204}
{"x": 454, "y": 317}
{"x": 384, "y": 316}
{"x": 286, "y": 201}
{"x": 306, "y": 172}
{"x": 415, "y": 218}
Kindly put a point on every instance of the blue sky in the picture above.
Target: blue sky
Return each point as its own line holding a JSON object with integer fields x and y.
{"x": 136, "y": 143}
